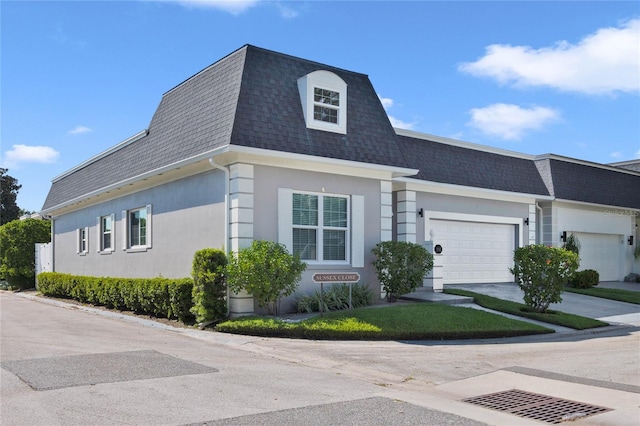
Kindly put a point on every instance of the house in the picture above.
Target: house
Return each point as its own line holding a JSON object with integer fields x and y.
{"x": 262, "y": 145}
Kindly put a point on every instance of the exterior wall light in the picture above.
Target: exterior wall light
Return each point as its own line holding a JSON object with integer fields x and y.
{"x": 526, "y": 221}
{"x": 421, "y": 212}
{"x": 630, "y": 240}
{"x": 563, "y": 236}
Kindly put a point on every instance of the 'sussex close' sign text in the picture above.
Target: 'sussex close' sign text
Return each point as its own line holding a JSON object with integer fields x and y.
{"x": 336, "y": 277}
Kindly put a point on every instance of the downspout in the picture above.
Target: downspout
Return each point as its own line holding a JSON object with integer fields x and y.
{"x": 213, "y": 164}
{"x": 539, "y": 224}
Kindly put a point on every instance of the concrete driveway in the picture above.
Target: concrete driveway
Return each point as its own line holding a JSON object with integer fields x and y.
{"x": 66, "y": 364}
{"x": 610, "y": 311}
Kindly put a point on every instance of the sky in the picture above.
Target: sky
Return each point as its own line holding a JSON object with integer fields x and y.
{"x": 536, "y": 77}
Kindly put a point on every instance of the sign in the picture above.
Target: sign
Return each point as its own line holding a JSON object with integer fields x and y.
{"x": 336, "y": 277}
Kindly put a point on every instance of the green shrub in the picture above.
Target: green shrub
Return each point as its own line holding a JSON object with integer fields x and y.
{"x": 336, "y": 298}
{"x": 266, "y": 271}
{"x": 401, "y": 266}
{"x": 541, "y": 272}
{"x": 17, "y": 250}
{"x": 572, "y": 244}
{"x": 159, "y": 297}
{"x": 209, "y": 285}
{"x": 585, "y": 279}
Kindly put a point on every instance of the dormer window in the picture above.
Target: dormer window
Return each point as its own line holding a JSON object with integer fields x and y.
{"x": 324, "y": 101}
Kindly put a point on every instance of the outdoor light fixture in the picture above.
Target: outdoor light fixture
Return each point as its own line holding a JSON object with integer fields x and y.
{"x": 526, "y": 221}
{"x": 563, "y": 236}
{"x": 630, "y": 240}
{"x": 421, "y": 212}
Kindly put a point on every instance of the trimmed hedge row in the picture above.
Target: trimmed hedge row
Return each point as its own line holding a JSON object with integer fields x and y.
{"x": 159, "y": 297}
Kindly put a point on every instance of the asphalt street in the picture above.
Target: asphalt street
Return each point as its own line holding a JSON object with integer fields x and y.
{"x": 65, "y": 364}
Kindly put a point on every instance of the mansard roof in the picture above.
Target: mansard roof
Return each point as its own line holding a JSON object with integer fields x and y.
{"x": 452, "y": 162}
{"x": 249, "y": 98}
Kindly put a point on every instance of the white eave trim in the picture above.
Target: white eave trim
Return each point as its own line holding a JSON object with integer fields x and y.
{"x": 462, "y": 144}
{"x": 103, "y": 154}
{"x": 606, "y": 206}
{"x": 468, "y": 191}
{"x": 139, "y": 178}
{"x": 292, "y": 157}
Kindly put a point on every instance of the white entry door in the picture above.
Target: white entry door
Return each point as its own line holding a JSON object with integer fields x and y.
{"x": 475, "y": 252}
{"x": 601, "y": 252}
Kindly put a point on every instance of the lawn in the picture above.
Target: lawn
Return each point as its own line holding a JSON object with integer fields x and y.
{"x": 552, "y": 317}
{"x": 609, "y": 293}
{"x": 419, "y": 321}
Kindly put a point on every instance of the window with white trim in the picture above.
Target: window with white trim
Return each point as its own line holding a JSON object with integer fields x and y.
{"x": 321, "y": 227}
{"x": 82, "y": 242}
{"x": 323, "y": 95}
{"x": 137, "y": 222}
{"x": 106, "y": 233}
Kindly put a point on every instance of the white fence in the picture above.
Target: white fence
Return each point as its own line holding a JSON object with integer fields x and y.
{"x": 43, "y": 258}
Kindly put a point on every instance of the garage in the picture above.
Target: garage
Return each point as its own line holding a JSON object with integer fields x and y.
{"x": 475, "y": 252}
{"x": 601, "y": 252}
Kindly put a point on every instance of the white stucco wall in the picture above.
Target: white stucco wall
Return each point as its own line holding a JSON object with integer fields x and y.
{"x": 187, "y": 215}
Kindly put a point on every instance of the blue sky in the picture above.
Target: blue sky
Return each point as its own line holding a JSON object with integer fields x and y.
{"x": 536, "y": 77}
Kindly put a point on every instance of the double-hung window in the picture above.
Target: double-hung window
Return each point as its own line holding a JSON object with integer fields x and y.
{"x": 321, "y": 227}
{"x": 326, "y": 104}
{"x": 82, "y": 241}
{"x": 106, "y": 233}
{"x": 138, "y": 226}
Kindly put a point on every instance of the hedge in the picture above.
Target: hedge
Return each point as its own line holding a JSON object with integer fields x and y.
{"x": 159, "y": 297}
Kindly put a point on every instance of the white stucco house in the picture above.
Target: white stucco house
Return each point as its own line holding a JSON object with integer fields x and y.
{"x": 262, "y": 145}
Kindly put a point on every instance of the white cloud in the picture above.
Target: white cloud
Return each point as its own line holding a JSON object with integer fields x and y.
{"x": 387, "y": 104}
{"x": 286, "y": 12}
{"x": 235, "y": 7}
{"x": 30, "y": 154}
{"x": 511, "y": 121}
{"x": 604, "y": 62}
{"x": 638, "y": 154}
{"x": 78, "y": 130}
{"x": 616, "y": 154}
{"x": 401, "y": 124}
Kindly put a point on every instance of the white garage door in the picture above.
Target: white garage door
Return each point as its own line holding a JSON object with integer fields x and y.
{"x": 602, "y": 253}
{"x": 475, "y": 252}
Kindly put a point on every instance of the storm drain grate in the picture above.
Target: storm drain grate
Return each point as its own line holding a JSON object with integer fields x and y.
{"x": 544, "y": 408}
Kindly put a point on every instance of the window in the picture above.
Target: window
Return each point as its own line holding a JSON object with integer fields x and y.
{"x": 138, "y": 226}
{"x": 105, "y": 233}
{"x": 320, "y": 227}
{"x": 323, "y": 96}
{"x": 326, "y": 105}
{"x": 82, "y": 244}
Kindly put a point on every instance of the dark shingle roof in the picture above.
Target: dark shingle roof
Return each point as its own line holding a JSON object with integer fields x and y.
{"x": 249, "y": 98}
{"x": 594, "y": 184}
{"x": 446, "y": 163}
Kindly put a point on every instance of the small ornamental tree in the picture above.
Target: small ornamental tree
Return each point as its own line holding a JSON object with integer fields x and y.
{"x": 209, "y": 287}
{"x": 541, "y": 273}
{"x": 17, "y": 250}
{"x": 401, "y": 266}
{"x": 265, "y": 270}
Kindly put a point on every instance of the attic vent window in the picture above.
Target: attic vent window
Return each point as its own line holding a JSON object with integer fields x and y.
{"x": 323, "y": 96}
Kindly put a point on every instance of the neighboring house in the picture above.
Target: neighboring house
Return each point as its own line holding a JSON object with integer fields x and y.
{"x": 262, "y": 145}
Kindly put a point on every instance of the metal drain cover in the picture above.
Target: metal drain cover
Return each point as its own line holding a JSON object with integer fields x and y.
{"x": 530, "y": 405}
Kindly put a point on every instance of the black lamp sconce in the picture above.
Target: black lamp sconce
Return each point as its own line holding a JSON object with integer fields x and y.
{"x": 563, "y": 236}
{"x": 526, "y": 221}
{"x": 421, "y": 212}
{"x": 630, "y": 240}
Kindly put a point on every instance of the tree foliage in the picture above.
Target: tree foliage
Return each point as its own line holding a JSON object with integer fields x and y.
{"x": 9, "y": 210}
{"x": 17, "y": 250}
{"x": 266, "y": 271}
{"x": 541, "y": 273}
{"x": 209, "y": 286}
{"x": 401, "y": 266}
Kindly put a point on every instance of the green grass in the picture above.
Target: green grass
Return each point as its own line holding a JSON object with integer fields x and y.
{"x": 552, "y": 317}
{"x": 419, "y": 321}
{"x": 609, "y": 293}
